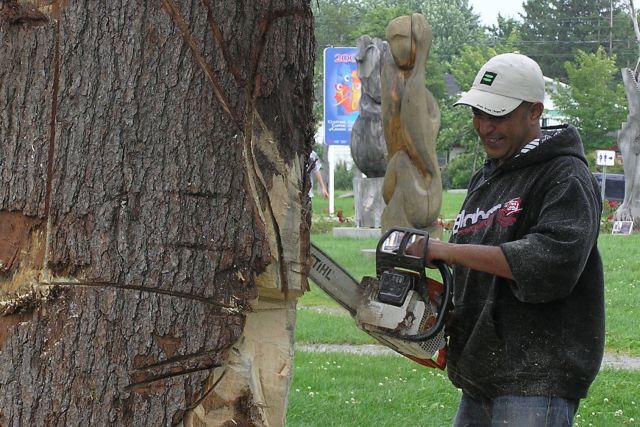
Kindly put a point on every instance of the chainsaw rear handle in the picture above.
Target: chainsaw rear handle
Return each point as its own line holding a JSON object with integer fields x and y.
{"x": 399, "y": 258}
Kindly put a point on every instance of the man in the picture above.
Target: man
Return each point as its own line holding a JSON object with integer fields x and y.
{"x": 527, "y": 328}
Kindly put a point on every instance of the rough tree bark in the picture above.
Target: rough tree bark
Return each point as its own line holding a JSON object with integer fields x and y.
{"x": 153, "y": 217}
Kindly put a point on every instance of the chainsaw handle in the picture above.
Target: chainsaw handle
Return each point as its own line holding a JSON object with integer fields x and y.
{"x": 386, "y": 260}
{"x": 447, "y": 300}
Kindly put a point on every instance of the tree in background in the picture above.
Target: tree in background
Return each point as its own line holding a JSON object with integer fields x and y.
{"x": 503, "y": 31}
{"x": 334, "y": 23}
{"x": 554, "y": 30}
{"x": 341, "y": 22}
{"x": 454, "y": 22}
{"x": 594, "y": 99}
{"x": 457, "y": 133}
{"x": 373, "y": 24}
{"x": 375, "y": 20}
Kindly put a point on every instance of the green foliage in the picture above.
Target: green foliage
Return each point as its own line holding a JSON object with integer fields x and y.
{"x": 454, "y": 24}
{"x": 468, "y": 62}
{"x": 343, "y": 177}
{"x": 334, "y": 23}
{"x": 594, "y": 101}
{"x": 435, "y": 70}
{"x": 324, "y": 224}
{"x": 456, "y": 128}
{"x": 609, "y": 208}
{"x": 457, "y": 132}
{"x": 459, "y": 171}
{"x": 318, "y": 83}
{"x": 375, "y": 20}
{"x": 506, "y": 31}
{"x": 554, "y": 30}
{"x": 342, "y": 22}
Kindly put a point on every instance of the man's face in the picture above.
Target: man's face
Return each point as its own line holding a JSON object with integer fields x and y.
{"x": 504, "y": 136}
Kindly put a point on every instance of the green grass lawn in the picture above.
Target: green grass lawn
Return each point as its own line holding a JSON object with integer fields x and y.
{"x": 342, "y": 201}
{"x": 323, "y": 223}
{"x": 337, "y": 389}
{"x": 621, "y": 257}
{"x": 451, "y": 203}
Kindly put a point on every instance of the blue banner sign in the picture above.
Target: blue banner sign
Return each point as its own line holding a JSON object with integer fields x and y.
{"x": 342, "y": 91}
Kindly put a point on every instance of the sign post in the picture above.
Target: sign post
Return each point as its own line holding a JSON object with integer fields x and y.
{"x": 342, "y": 91}
{"x": 605, "y": 158}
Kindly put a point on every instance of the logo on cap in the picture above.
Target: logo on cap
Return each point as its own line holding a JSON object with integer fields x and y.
{"x": 488, "y": 78}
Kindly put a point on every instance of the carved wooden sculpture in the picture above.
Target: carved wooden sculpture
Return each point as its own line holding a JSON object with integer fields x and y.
{"x": 153, "y": 218}
{"x": 629, "y": 139}
{"x": 412, "y": 185}
{"x": 629, "y": 143}
{"x": 368, "y": 147}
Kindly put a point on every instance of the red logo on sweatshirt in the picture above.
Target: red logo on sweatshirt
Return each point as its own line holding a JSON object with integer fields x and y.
{"x": 512, "y": 207}
{"x": 504, "y": 214}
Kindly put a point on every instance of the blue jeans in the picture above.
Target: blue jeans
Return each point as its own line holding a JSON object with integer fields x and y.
{"x": 520, "y": 411}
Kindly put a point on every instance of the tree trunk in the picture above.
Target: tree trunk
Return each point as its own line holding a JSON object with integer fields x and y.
{"x": 153, "y": 213}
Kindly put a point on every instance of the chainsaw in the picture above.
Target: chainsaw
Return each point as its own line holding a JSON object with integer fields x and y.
{"x": 401, "y": 307}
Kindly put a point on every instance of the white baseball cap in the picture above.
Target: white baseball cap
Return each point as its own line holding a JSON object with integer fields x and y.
{"x": 503, "y": 83}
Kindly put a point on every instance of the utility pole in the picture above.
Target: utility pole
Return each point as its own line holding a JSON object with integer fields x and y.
{"x": 610, "y": 28}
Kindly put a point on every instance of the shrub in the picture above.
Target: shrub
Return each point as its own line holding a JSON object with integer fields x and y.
{"x": 458, "y": 171}
{"x": 343, "y": 177}
{"x": 609, "y": 208}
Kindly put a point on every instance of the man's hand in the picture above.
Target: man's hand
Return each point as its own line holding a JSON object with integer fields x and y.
{"x": 488, "y": 259}
{"x": 436, "y": 250}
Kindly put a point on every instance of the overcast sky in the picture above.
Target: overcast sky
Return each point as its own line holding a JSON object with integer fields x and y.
{"x": 489, "y": 9}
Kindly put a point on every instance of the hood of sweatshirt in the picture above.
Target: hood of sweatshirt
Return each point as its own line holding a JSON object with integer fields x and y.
{"x": 556, "y": 141}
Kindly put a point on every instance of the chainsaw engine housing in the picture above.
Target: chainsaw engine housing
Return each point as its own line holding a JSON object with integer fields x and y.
{"x": 385, "y": 321}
